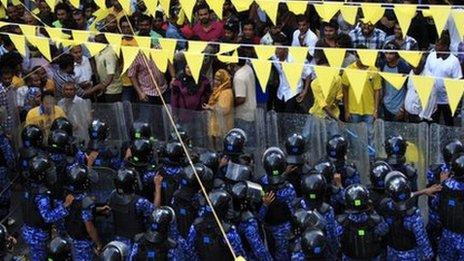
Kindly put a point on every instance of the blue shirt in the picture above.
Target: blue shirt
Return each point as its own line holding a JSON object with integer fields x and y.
{"x": 393, "y": 99}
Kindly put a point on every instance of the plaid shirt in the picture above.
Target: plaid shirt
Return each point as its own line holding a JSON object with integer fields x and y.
{"x": 408, "y": 44}
{"x": 461, "y": 52}
{"x": 4, "y": 103}
{"x": 376, "y": 40}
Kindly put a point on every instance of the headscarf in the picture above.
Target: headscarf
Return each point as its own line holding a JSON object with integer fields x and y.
{"x": 189, "y": 83}
{"x": 225, "y": 83}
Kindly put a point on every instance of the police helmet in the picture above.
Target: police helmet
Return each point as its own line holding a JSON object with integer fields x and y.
{"x": 313, "y": 187}
{"x": 356, "y": 199}
{"x": 221, "y": 202}
{"x": 378, "y": 172}
{"x": 204, "y": 173}
{"x": 397, "y": 187}
{"x": 182, "y": 133}
{"x": 395, "y": 146}
{"x": 234, "y": 142}
{"x": 275, "y": 164}
{"x": 115, "y": 251}
{"x": 337, "y": 147}
{"x": 63, "y": 124}
{"x": 98, "y": 130}
{"x": 211, "y": 160}
{"x": 295, "y": 147}
{"x": 59, "y": 249}
{"x": 141, "y": 130}
{"x": 248, "y": 191}
{"x": 326, "y": 168}
{"x": 126, "y": 181}
{"x": 141, "y": 152}
{"x": 32, "y": 136}
{"x": 451, "y": 149}
{"x": 58, "y": 141}
{"x": 457, "y": 166}
{"x": 314, "y": 243}
{"x": 175, "y": 152}
{"x": 42, "y": 170}
{"x": 80, "y": 177}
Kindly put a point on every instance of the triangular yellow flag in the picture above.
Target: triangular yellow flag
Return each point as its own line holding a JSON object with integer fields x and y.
{"x": 335, "y": 56}
{"x": 19, "y": 42}
{"x": 264, "y": 52}
{"x": 126, "y": 6}
{"x": 327, "y": 10}
{"x": 292, "y": 72}
{"x": 404, "y": 14}
{"x": 195, "y": 62}
{"x": 440, "y": 16}
{"x": 42, "y": 45}
{"x": 458, "y": 16}
{"x": 160, "y": 58}
{"x": 228, "y": 58}
{"x": 100, "y": 3}
{"x": 262, "y": 70}
{"x": 187, "y": 6}
{"x": 372, "y": 13}
{"x": 56, "y": 33}
{"x": 168, "y": 46}
{"x": 367, "y": 56}
{"x": 424, "y": 87}
{"x": 196, "y": 46}
{"x": 51, "y": 3}
{"x": 143, "y": 42}
{"x": 297, "y": 7}
{"x": 357, "y": 80}
{"x": 114, "y": 40}
{"x": 326, "y": 74}
{"x": 426, "y": 13}
{"x": 129, "y": 53}
{"x": 75, "y": 3}
{"x": 67, "y": 42}
{"x": 101, "y": 14}
{"x": 4, "y": 3}
{"x": 151, "y": 6}
{"x": 227, "y": 47}
{"x": 28, "y": 30}
{"x": 95, "y": 48}
{"x": 349, "y": 13}
{"x": 242, "y": 5}
{"x": 216, "y": 6}
{"x": 240, "y": 258}
{"x": 80, "y": 36}
{"x": 298, "y": 53}
{"x": 395, "y": 79}
{"x": 166, "y": 5}
{"x": 270, "y": 7}
{"x": 411, "y": 57}
{"x": 454, "y": 90}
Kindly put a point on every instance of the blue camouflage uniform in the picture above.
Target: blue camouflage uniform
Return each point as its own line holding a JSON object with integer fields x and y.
{"x": 147, "y": 175}
{"x": 82, "y": 248}
{"x": 285, "y": 195}
{"x": 50, "y": 211}
{"x": 298, "y": 256}
{"x": 170, "y": 182}
{"x": 412, "y": 222}
{"x": 381, "y": 229}
{"x": 451, "y": 246}
{"x": 250, "y": 229}
{"x": 7, "y": 164}
{"x": 349, "y": 172}
{"x": 108, "y": 157}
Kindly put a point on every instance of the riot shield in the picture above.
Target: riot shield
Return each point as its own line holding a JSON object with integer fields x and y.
{"x": 195, "y": 123}
{"x": 113, "y": 115}
{"x": 440, "y": 135}
{"x": 151, "y": 114}
{"x": 80, "y": 115}
{"x": 11, "y": 121}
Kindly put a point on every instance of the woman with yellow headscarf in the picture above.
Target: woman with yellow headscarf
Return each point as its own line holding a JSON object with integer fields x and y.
{"x": 220, "y": 104}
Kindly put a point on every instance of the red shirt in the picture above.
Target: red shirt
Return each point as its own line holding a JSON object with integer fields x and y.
{"x": 214, "y": 32}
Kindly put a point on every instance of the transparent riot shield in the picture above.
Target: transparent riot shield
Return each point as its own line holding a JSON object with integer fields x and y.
{"x": 113, "y": 115}
{"x": 195, "y": 123}
{"x": 101, "y": 191}
{"x": 151, "y": 114}
{"x": 440, "y": 135}
{"x": 11, "y": 121}
{"x": 80, "y": 115}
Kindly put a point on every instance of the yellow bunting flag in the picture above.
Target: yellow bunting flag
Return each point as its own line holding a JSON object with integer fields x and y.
{"x": 426, "y": 13}
{"x": 3, "y": 12}
{"x": 458, "y": 16}
{"x": 16, "y": 2}
{"x": 168, "y": 46}
{"x": 187, "y": 6}
{"x": 297, "y": 7}
{"x": 28, "y": 30}
{"x": 242, "y": 5}
{"x": 126, "y": 6}
{"x": 151, "y": 6}
{"x": 100, "y": 3}
{"x": 372, "y": 13}
{"x": 367, "y": 56}
{"x": 51, "y": 3}
{"x": 440, "y": 16}
{"x": 75, "y": 3}
{"x": 19, "y": 42}
{"x": 216, "y": 6}
{"x": 240, "y": 258}
{"x": 263, "y": 70}
{"x": 228, "y": 58}
{"x": 357, "y": 80}
{"x": 292, "y": 73}
{"x": 270, "y": 7}
{"x": 298, "y": 54}
{"x": 143, "y": 42}
{"x": 411, "y": 57}
{"x": 335, "y": 56}
{"x": 101, "y": 14}
{"x": 114, "y": 40}
{"x": 424, "y": 87}
{"x": 195, "y": 62}
{"x": 327, "y": 10}
{"x": 454, "y": 90}
{"x": 404, "y": 14}
{"x": 66, "y": 42}
{"x": 4, "y": 3}
{"x": 227, "y": 47}
{"x": 160, "y": 58}
{"x": 56, "y": 33}
{"x": 326, "y": 74}
{"x": 129, "y": 53}
{"x": 349, "y": 13}
{"x": 395, "y": 79}
{"x": 196, "y": 46}
{"x": 264, "y": 52}
{"x": 166, "y": 5}
{"x": 80, "y": 36}
{"x": 95, "y": 48}
{"x": 42, "y": 45}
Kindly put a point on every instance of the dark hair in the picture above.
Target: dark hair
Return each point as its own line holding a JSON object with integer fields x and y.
{"x": 146, "y": 18}
{"x": 319, "y": 54}
{"x": 201, "y": 7}
{"x": 248, "y": 22}
{"x": 45, "y": 93}
{"x": 62, "y": 6}
{"x": 123, "y": 20}
{"x": 332, "y": 23}
{"x": 6, "y": 69}
{"x": 159, "y": 15}
{"x": 281, "y": 39}
{"x": 344, "y": 41}
{"x": 11, "y": 60}
{"x": 232, "y": 25}
{"x": 302, "y": 18}
{"x": 445, "y": 38}
{"x": 65, "y": 61}
{"x": 243, "y": 53}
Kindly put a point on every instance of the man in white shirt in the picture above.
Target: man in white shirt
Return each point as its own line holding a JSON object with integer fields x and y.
{"x": 82, "y": 67}
{"x": 443, "y": 64}
{"x": 303, "y": 36}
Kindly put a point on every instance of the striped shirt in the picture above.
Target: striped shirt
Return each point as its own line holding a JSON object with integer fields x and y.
{"x": 142, "y": 73}
{"x": 375, "y": 41}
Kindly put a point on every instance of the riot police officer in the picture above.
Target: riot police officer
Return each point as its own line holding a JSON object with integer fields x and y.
{"x": 211, "y": 160}
{"x": 295, "y": 148}
{"x": 377, "y": 192}
{"x": 115, "y": 251}
{"x": 140, "y": 159}
{"x": 7, "y": 165}
{"x": 360, "y": 229}
{"x": 100, "y": 154}
{"x": 337, "y": 148}
{"x": 171, "y": 170}
{"x": 40, "y": 211}
{"x": 451, "y": 149}
{"x": 407, "y": 239}
{"x": 205, "y": 237}
{"x": 277, "y": 203}
{"x": 314, "y": 244}
{"x": 80, "y": 223}
{"x": 248, "y": 196}
{"x": 450, "y": 205}
{"x": 130, "y": 211}
{"x": 395, "y": 147}
{"x": 58, "y": 145}
{"x": 59, "y": 249}
{"x": 233, "y": 151}
{"x": 32, "y": 145}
